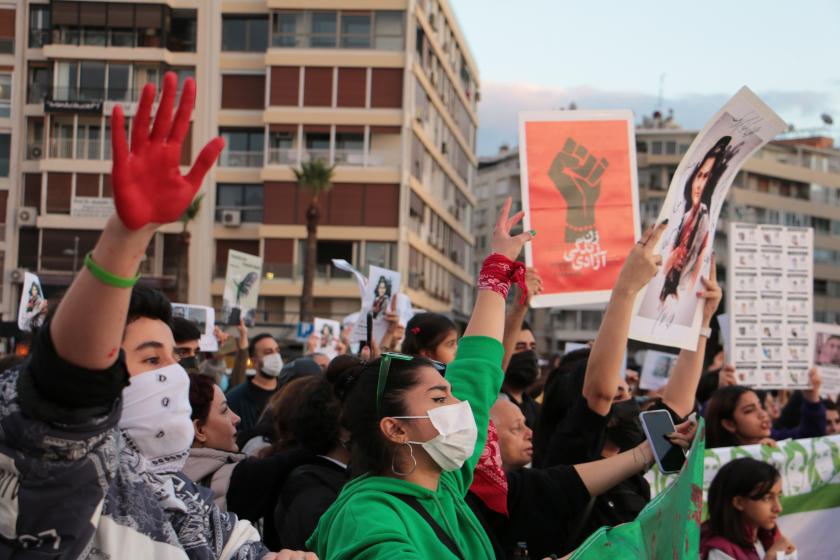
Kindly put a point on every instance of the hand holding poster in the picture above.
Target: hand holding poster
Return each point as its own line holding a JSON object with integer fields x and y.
{"x": 579, "y": 191}
{"x": 668, "y": 310}
{"x": 242, "y": 288}
{"x": 770, "y": 302}
{"x": 33, "y": 306}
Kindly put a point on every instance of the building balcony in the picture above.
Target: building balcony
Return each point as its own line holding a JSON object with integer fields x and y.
{"x": 238, "y": 158}
{"x": 348, "y": 158}
{"x": 282, "y": 156}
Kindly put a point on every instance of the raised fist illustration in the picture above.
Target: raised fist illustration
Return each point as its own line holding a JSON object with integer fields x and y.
{"x": 577, "y": 175}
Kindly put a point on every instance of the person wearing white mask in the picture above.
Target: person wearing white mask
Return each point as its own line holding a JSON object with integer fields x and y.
{"x": 249, "y": 398}
{"x": 95, "y": 427}
{"x": 417, "y": 429}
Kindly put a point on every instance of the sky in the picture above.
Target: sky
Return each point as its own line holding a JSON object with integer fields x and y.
{"x": 613, "y": 54}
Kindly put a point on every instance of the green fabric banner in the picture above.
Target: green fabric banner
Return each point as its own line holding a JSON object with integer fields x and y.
{"x": 668, "y": 527}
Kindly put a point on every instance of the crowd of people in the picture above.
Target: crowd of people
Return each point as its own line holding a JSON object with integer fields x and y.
{"x": 119, "y": 438}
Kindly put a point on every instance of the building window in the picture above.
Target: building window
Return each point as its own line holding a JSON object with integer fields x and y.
{"x": 248, "y": 199}
{"x": 182, "y": 29}
{"x": 380, "y": 254}
{"x": 281, "y": 148}
{"x": 326, "y": 252}
{"x": 39, "y": 25}
{"x": 322, "y": 34}
{"x": 7, "y": 30}
{"x": 349, "y": 148}
{"x": 5, "y": 146}
{"x": 355, "y": 31}
{"x": 5, "y": 94}
{"x": 244, "y": 33}
{"x": 243, "y": 147}
{"x": 318, "y": 145}
{"x": 330, "y": 29}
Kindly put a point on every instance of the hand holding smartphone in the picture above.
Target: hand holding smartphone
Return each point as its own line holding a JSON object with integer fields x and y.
{"x": 669, "y": 456}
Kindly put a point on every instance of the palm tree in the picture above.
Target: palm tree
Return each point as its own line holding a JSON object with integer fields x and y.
{"x": 182, "y": 285}
{"x": 316, "y": 177}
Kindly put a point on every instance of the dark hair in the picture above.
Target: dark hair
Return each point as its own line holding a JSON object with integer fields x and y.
{"x": 343, "y": 372}
{"x": 149, "y": 303}
{"x": 201, "y": 396}
{"x": 425, "y": 331}
{"x": 721, "y": 157}
{"x": 184, "y": 330}
{"x": 10, "y": 361}
{"x": 306, "y": 415}
{"x": 722, "y": 407}
{"x": 526, "y": 326}
{"x": 383, "y": 280}
{"x": 370, "y": 450}
{"x": 252, "y": 346}
{"x": 745, "y": 477}
{"x": 830, "y": 405}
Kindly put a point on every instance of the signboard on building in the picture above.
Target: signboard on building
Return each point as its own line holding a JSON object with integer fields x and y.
{"x": 91, "y": 107}
{"x": 91, "y": 207}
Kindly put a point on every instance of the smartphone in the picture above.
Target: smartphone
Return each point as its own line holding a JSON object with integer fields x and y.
{"x": 657, "y": 423}
{"x": 369, "y": 329}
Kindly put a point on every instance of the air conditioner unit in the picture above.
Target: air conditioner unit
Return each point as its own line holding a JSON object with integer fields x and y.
{"x": 16, "y": 275}
{"x": 26, "y": 216}
{"x": 231, "y": 218}
{"x": 36, "y": 152}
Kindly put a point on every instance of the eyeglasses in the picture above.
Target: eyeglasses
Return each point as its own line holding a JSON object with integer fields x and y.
{"x": 385, "y": 366}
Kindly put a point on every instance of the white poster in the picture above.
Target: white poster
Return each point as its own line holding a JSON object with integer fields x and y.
{"x": 668, "y": 310}
{"x": 827, "y": 357}
{"x": 33, "y": 306}
{"x": 770, "y": 280}
{"x": 205, "y": 318}
{"x": 725, "y": 337}
{"x": 382, "y": 284}
{"x": 327, "y": 332}
{"x": 242, "y": 287}
{"x": 656, "y": 369}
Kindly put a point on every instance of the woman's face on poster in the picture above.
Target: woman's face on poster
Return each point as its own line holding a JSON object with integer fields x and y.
{"x": 381, "y": 288}
{"x": 701, "y": 178}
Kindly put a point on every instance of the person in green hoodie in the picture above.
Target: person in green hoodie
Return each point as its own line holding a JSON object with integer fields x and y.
{"x": 417, "y": 433}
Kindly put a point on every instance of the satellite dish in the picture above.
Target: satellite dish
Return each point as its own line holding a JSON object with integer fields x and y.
{"x": 826, "y": 119}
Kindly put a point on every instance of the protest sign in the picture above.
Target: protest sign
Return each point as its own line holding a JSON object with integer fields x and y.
{"x": 382, "y": 284}
{"x": 242, "y": 287}
{"x": 327, "y": 333}
{"x": 725, "y": 337}
{"x": 205, "y": 318}
{"x": 827, "y": 357}
{"x": 667, "y": 311}
{"x": 656, "y": 369}
{"x": 33, "y": 306}
{"x": 668, "y": 527}
{"x": 580, "y": 193}
{"x": 810, "y": 470}
{"x": 770, "y": 300}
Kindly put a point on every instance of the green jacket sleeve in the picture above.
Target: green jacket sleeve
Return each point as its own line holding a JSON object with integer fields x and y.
{"x": 476, "y": 376}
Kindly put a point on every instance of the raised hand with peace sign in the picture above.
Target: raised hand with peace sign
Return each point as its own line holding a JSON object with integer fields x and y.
{"x": 642, "y": 262}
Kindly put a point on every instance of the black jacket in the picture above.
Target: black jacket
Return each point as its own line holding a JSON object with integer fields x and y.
{"x": 308, "y": 492}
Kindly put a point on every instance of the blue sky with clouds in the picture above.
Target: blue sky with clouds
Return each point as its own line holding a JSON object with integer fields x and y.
{"x": 544, "y": 54}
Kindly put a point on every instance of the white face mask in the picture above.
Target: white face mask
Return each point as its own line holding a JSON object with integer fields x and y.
{"x": 456, "y": 437}
{"x": 272, "y": 364}
{"x": 156, "y": 416}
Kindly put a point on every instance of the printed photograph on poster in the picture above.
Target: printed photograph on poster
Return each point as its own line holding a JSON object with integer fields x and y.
{"x": 328, "y": 333}
{"x": 242, "y": 287}
{"x": 33, "y": 305}
{"x": 205, "y": 318}
{"x": 770, "y": 316}
{"x": 827, "y": 357}
{"x": 580, "y": 193}
{"x": 656, "y": 369}
{"x": 382, "y": 285}
{"x": 668, "y": 310}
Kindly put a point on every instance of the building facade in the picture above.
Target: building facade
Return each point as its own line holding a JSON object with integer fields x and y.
{"x": 793, "y": 182}
{"x": 384, "y": 90}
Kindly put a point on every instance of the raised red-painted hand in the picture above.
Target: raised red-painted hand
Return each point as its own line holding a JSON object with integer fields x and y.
{"x": 148, "y": 186}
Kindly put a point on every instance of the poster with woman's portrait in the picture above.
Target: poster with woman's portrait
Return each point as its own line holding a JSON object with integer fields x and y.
{"x": 656, "y": 369}
{"x": 580, "y": 193}
{"x": 381, "y": 287}
{"x": 827, "y": 357}
{"x": 33, "y": 305}
{"x": 667, "y": 310}
{"x": 328, "y": 333}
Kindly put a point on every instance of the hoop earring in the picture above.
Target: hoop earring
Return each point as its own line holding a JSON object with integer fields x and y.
{"x": 413, "y": 462}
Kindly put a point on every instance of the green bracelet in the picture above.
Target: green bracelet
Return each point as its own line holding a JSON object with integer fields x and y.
{"x": 106, "y": 277}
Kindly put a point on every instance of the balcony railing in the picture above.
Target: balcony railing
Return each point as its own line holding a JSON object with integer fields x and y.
{"x": 282, "y": 156}
{"x": 316, "y": 154}
{"x": 350, "y": 157}
{"x": 87, "y": 149}
{"x": 98, "y": 93}
{"x": 61, "y": 148}
{"x": 236, "y": 158}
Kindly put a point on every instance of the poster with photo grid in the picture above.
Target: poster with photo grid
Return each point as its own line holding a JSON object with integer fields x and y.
{"x": 770, "y": 302}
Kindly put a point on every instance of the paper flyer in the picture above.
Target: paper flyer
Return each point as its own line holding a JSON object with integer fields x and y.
{"x": 656, "y": 369}
{"x": 242, "y": 287}
{"x": 667, "y": 311}
{"x": 580, "y": 193}
{"x": 33, "y": 306}
{"x": 827, "y": 357}
{"x": 770, "y": 301}
{"x": 328, "y": 333}
{"x": 205, "y": 318}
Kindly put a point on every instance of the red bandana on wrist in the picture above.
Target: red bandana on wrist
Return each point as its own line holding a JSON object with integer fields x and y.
{"x": 489, "y": 480}
{"x": 497, "y": 274}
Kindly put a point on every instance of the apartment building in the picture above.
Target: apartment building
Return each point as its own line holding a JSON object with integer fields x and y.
{"x": 384, "y": 90}
{"x": 791, "y": 181}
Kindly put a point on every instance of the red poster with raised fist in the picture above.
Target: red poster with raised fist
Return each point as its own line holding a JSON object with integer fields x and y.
{"x": 580, "y": 193}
